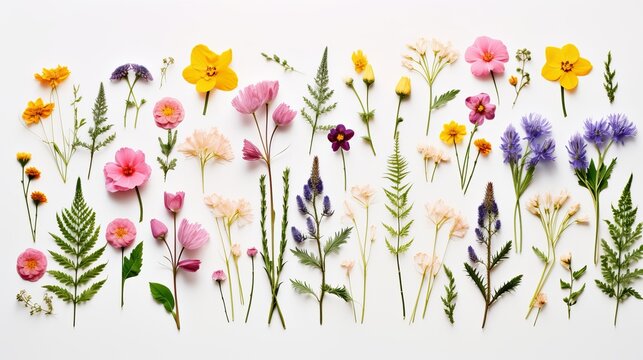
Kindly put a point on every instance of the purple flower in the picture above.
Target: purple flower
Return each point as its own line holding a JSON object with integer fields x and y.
{"x": 542, "y": 152}
{"x": 497, "y": 227}
{"x": 511, "y": 149}
{"x": 481, "y": 108}
{"x": 621, "y": 127}
{"x": 576, "y": 149}
{"x": 301, "y": 206}
{"x": 479, "y": 235}
{"x": 319, "y": 188}
{"x": 339, "y": 137}
{"x": 472, "y": 255}
{"x": 141, "y": 72}
{"x": 297, "y": 236}
{"x": 328, "y": 211}
{"x": 120, "y": 72}
{"x": 482, "y": 214}
{"x": 597, "y": 133}
{"x": 308, "y": 194}
{"x": 310, "y": 226}
{"x": 535, "y": 126}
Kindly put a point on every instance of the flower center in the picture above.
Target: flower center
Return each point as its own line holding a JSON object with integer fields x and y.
{"x": 340, "y": 137}
{"x": 128, "y": 170}
{"x": 487, "y": 56}
{"x": 480, "y": 108}
{"x": 211, "y": 71}
{"x": 168, "y": 111}
{"x": 31, "y": 264}
{"x": 120, "y": 232}
{"x": 566, "y": 66}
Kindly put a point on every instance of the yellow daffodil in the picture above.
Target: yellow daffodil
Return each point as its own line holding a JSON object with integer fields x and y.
{"x": 453, "y": 133}
{"x": 565, "y": 66}
{"x": 208, "y": 71}
{"x": 484, "y": 147}
{"x": 359, "y": 61}
{"x": 53, "y": 77}
{"x": 403, "y": 87}
{"x": 37, "y": 110}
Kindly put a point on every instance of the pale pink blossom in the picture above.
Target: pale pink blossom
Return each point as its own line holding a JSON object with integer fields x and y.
{"x": 283, "y": 115}
{"x": 168, "y": 113}
{"x": 31, "y": 265}
{"x": 192, "y": 236}
{"x": 120, "y": 233}
{"x": 159, "y": 230}
{"x": 174, "y": 202}
{"x": 363, "y": 194}
{"x": 250, "y": 152}
{"x": 252, "y": 252}
{"x": 207, "y": 145}
{"x": 219, "y": 275}
{"x": 486, "y": 55}
{"x": 235, "y": 250}
{"x": 459, "y": 227}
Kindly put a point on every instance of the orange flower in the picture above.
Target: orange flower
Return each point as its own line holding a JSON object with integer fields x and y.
{"x": 484, "y": 147}
{"x": 36, "y": 111}
{"x": 53, "y": 77}
{"x": 38, "y": 198}
{"x": 32, "y": 173}
{"x": 23, "y": 157}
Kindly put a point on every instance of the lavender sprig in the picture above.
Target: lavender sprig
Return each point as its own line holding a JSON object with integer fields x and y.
{"x": 140, "y": 73}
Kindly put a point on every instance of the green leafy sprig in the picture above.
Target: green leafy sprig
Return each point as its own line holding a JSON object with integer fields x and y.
{"x": 131, "y": 266}
{"x": 608, "y": 75}
{"x": 167, "y": 164}
{"x": 449, "y": 299}
{"x": 571, "y": 299}
{"x": 99, "y": 114}
{"x": 320, "y": 95}
{"x": 617, "y": 263}
{"x": 46, "y": 308}
{"x": 522, "y": 56}
{"x": 79, "y": 236}
{"x": 279, "y": 61}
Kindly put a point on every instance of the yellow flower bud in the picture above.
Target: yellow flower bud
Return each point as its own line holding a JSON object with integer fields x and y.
{"x": 403, "y": 87}
{"x": 513, "y": 80}
{"x": 368, "y": 77}
{"x": 348, "y": 81}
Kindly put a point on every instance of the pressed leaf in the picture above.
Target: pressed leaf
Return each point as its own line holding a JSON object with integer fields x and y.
{"x": 62, "y": 293}
{"x": 507, "y": 287}
{"x": 334, "y": 243}
{"x": 306, "y": 258}
{"x": 302, "y": 287}
{"x": 442, "y": 100}
{"x": 163, "y": 296}
{"x": 339, "y": 291}
{"x": 541, "y": 255}
{"x": 477, "y": 279}
{"x": 132, "y": 265}
{"x": 89, "y": 293}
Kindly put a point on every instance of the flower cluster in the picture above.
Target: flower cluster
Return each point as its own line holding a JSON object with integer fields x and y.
{"x": 207, "y": 145}
{"x": 140, "y": 73}
{"x": 37, "y": 197}
{"x": 432, "y": 154}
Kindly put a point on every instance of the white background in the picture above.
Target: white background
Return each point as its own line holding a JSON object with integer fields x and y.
{"x": 92, "y": 38}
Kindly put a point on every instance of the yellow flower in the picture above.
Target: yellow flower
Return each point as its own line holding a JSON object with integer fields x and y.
{"x": 32, "y": 173}
{"x": 359, "y": 60}
{"x": 513, "y": 81}
{"x": 38, "y": 198}
{"x": 403, "y": 87}
{"x": 208, "y": 70}
{"x": 368, "y": 77}
{"x": 53, "y": 77}
{"x": 453, "y": 133}
{"x": 23, "y": 158}
{"x": 484, "y": 147}
{"x": 36, "y": 111}
{"x": 565, "y": 65}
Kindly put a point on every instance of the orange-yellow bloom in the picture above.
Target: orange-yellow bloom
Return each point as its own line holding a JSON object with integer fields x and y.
{"x": 359, "y": 61}
{"x": 403, "y": 87}
{"x": 513, "y": 81}
{"x": 38, "y": 198}
{"x": 208, "y": 70}
{"x": 484, "y": 147}
{"x": 53, "y": 77}
{"x": 36, "y": 111}
{"x": 23, "y": 157}
{"x": 565, "y": 65}
{"x": 453, "y": 133}
{"x": 32, "y": 173}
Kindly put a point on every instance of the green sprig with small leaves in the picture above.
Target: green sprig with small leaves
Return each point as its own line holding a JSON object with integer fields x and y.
{"x": 166, "y": 163}
{"x": 449, "y": 299}
{"x": 280, "y": 61}
{"x": 79, "y": 237}
{"x": 608, "y": 75}
{"x": 617, "y": 263}
{"x": 99, "y": 114}
{"x": 320, "y": 94}
{"x": 522, "y": 56}
{"x": 572, "y": 298}
{"x": 35, "y": 308}
{"x": 167, "y": 62}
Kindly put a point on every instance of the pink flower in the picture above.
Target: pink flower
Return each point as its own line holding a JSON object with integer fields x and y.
{"x": 128, "y": 172}
{"x": 252, "y": 97}
{"x": 268, "y": 89}
{"x": 159, "y": 230}
{"x": 283, "y": 115}
{"x": 31, "y": 265}
{"x": 218, "y": 275}
{"x": 191, "y": 265}
{"x": 250, "y": 152}
{"x": 481, "y": 108}
{"x": 120, "y": 233}
{"x": 252, "y": 252}
{"x": 168, "y": 113}
{"x": 192, "y": 236}
{"x": 174, "y": 202}
{"x": 486, "y": 55}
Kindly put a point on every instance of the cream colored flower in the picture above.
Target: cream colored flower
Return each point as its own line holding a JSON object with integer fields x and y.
{"x": 348, "y": 81}
{"x": 434, "y": 266}
{"x": 566, "y": 260}
{"x": 573, "y": 210}
{"x": 243, "y": 212}
{"x": 407, "y": 64}
{"x": 459, "y": 227}
{"x": 439, "y": 212}
{"x": 363, "y": 194}
{"x": 349, "y": 214}
{"x": 235, "y": 250}
{"x": 427, "y": 151}
{"x": 421, "y": 45}
{"x": 540, "y": 300}
{"x": 421, "y": 259}
{"x": 348, "y": 266}
{"x": 207, "y": 145}
{"x": 437, "y": 46}
{"x": 440, "y": 156}
{"x": 547, "y": 201}
{"x": 407, "y": 57}
{"x": 582, "y": 220}
{"x": 561, "y": 199}
{"x": 214, "y": 202}
{"x": 372, "y": 231}
{"x": 534, "y": 205}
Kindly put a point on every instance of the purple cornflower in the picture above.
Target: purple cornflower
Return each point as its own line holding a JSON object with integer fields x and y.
{"x": 328, "y": 211}
{"x": 120, "y": 72}
{"x": 473, "y": 257}
{"x": 297, "y": 236}
{"x": 597, "y": 133}
{"x": 511, "y": 149}
{"x": 301, "y": 206}
{"x": 535, "y": 126}
{"x": 576, "y": 149}
{"x": 310, "y": 226}
{"x": 621, "y": 127}
{"x": 542, "y": 152}
{"x": 308, "y": 194}
{"x": 141, "y": 72}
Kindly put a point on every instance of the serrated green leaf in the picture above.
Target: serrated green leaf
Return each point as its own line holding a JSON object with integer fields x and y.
{"x": 442, "y": 100}
{"x": 90, "y": 274}
{"x": 405, "y": 247}
{"x": 302, "y": 287}
{"x": 339, "y": 291}
{"x": 334, "y": 244}
{"x": 89, "y": 293}
{"x": 501, "y": 255}
{"x": 62, "y": 277}
{"x": 163, "y": 296}
{"x": 507, "y": 287}
{"x": 306, "y": 258}
{"x": 132, "y": 265}
{"x": 60, "y": 292}
{"x": 541, "y": 255}
{"x": 477, "y": 279}
{"x": 579, "y": 273}
{"x": 564, "y": 285}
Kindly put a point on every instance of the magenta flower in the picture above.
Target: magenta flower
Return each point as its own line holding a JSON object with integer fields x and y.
{"x": 192, "y": 236}
{"x": 191, "y": 265}
{"x": 252, "y": 251}
{"x": 159, "y": 230}
{"x": 219, "y": 275}
{"x": 250, "y": 152}
{"x": 481, "y": 108}
{"x": 168, "y": 113}
{"x": 31, "y": 265}
{"x": 252, "y": 97}
{"x": 283, "y": 115}
{"x": 128, "y": 172}
{"x": 174, "y": 202}
{"x": 269, "y": 90}
{"x": 120, "y": 233}
{"x": 486, "y": 56}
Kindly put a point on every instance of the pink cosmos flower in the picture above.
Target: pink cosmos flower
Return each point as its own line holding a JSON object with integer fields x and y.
{"x": 128, "y": 172}
{"x": 252, "y": 97}
{"x": 159, "y": 230}
{"x": 120, "y": 233}
{"x": 269, "y": 90}
{"x": 31, "y": 265}
{"x": 486, "y": 55}
{"x": 218, "y": 275}
{"x": 252, "y": 252}
{"x": 481, "y": 108}
{"x": 191, "y": 265}
{"x": 192, "y": 236}
{"x": 283, "y": 115}
{"x": 250, "y": 152}
{"x": 174, "y": 202}
{"x": 168, "y": 113}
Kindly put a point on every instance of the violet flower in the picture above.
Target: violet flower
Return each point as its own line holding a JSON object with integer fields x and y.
{"x": 140, "y": 72}
{"x": 576, "y": 149}
{"x": 621, "y": 128}
{"x": 339, "y": 137}
{"x": 511, "y": 149}
{"x": 597, "y": 132}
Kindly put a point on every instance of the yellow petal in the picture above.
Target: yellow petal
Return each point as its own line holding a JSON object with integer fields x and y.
{"x": 206, "y": 84}
{"x": 224, "y": 59}
{"x": 191, "y": 74}
{"x": 551, "y": 73}
{"x": 582, "y": 67}
{"x": 570, "y": 53}
{"x": 553, "y": 55}
{"x": 200, "y": 54}
{"x": 226, "y": 79}
{"x": 569, "y": 81}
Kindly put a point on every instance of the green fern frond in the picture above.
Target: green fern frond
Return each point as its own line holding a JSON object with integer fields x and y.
{"x": 449, "y": 299}
{"x": 320, "y": 94}
{"x": 99, "y": 114}
{"x": 608, "y": 75}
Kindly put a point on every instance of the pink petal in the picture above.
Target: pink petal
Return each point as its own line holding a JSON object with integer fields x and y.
{"x": 480, "y": 69}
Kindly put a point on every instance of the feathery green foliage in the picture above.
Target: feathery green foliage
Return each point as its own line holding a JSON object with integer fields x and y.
{"x": 320, "y": 95}
{"x": 448, "y": 300}
{"x": 571, "y": 299}
{"x": 167, "y": 164}
{"x": 79, "y": 236}
{"x": 609, "y": 75}
{"x": 399, "y": 207}
{"x": 280, "y": 61}
{"x": 617, "y": 263}
{"x": 442, "y": 100}
{"x": 99, "y": 114}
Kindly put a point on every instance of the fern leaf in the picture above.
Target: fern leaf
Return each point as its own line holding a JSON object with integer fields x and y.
{"x": 448, "y": 300}
{"x": 302, "y": 287}
{"x": 306, "y": 258}
{"x": 60, "y": 292}
{"x": 320, "y": 94}
{"x": 89, "y": 293}
{"x": 339, "y": 291}
{"x": 442, "y": 100}
{"x": 507, "y": 287}
{"x": 608, "y": 75}
{"x": 90, "y": 274}
{"x": 334, "y": 243}
{"x": 62, "y": 277}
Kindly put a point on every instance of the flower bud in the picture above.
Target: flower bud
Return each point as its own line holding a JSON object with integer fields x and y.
{"x": 403, "y": 88}
{"x": 159, "y": 230}
{"x": 368, "y": 77}
{"x": 513, "y": 81}
{"x": 348, "y": 81}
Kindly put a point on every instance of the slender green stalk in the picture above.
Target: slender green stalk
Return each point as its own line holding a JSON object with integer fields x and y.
{"x": 252, "y": 288}
{"x": 493, "y": 77}
{"x": 225, "y": 309}
{"x": 397, "y": 115}
{"x": 205, "y": 104}
{"x": 344, "y": 167}
{"x": 562, "y": 99}
{"x": 140, "y": 204}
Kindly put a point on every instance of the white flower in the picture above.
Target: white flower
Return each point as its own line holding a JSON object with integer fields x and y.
{"x": 363, "y": 194}
{"x": 439, "y": 212}
{"x": 573, "y": 210}
{"x": 348, "y": 266}
{"x": 407, "y": 64}
{"x": 372, "y": 230}
{"x": 534, "y": 205}
{"x": 459, "y": 227}
{"x": 437, "y": 46}
{"x": 235, "y": 250}
{"x": 566, "y": 260}
{"x": 349, "y": 214}
{"x": 421, "y": 45}
{"x": 561, "y": 199}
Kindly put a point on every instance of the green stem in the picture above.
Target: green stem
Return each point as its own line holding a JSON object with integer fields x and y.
{"x": 433, "y": 173}
{"x": 140, "y": 204}
{"x": 597, "y": 220}
{"x": 562, "y": 99}
{"x": 344, "y": 167}
{"x": 475, "y": 162}
{"x": 252, "y": 288}
{"x": 571, "y": 287}
{"x": 428, "y": 121}
{"x": 350, "y": 289}
{"x": 367, "y": 120}
{"x": 397, "y": 116}
{"x": 122, "y": 277}
{"x": 426, "y": 174}
{"x": 417, "y": 298}
{"x": 177, "y": 318}
{"x": 493, "y": 77}
{"x": 225, "y": 309}
{"x": 35, "y": 224}
{"x": 205, "y": 105}
{"x": 537, "y": 314}
{"x": 363, "y": 296}
{"x": 25, "y": 191}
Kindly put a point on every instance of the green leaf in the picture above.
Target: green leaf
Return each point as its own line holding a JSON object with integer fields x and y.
{"x": 541, "y": 255}
{"x": 302, "y": 287}
{"x": 62, "y": 277}
{"x": 501, "y": 255}
{"x": 62, "y": 261}
{"x": 339, "y": 291}
{"x": 62, "y": 293}
{"x": 89, "y": 293}
{"x": 442, "y": 100}
{"x": 306, "y": 258}
{"x": 507, "y": 287}
{"x": 564, "y": 285}
{"x": 163, "y": 296}
{"x": 405, "y": 247}
{"x": 132, "y": 265}
{"x": 320, "y": 94}
{"x": 390, "y": 247}
{"x": 450, "y": 295}
{"x": 579, "y": 273}
{"x": 477, "y": 279}
{"x": 90, "y": 274}
{"x": 576, "y": 294}
{"x": 334, "y": 244}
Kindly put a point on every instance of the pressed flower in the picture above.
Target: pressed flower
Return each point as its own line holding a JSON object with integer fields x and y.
{"x": 253, "y": 97}
{"x": 23, "y": 158}
{"x": 283, "y": 115}
{"x": 168, "y": 113}
{"x": 359, "y": 61}
{"x": 481, "y": 108}
{"x": 31, "y": 265}
{"x": 339, "y": 137}
{"x": 32, "y": 173}
{"x": 576, "y": 149}
{"x": 252, "y": 252}
{"x": 566, "y": 260}
{"x": 431, "y": 154}
{"x": 235, "y": 250}
{"x": 219, "y": 276}
{"x": 120, "y": 233}
{"x": 511, "y": 148}
{"x": 367, "y": 114}
{"x": 120, "y": 72}
{"x": 348, "y": 265}
{"x": 453, "y": 133}
{"x": 621, "y": 127}
{"x": 542, "y": 152}
{"x": 250, "y": 152}
{"x": 565, "y": 66}
{"x": 209, "y": 71}
{"x": 535, "y": 126}
{"x": 403, "y": 87}
{"x": 140, "y": 73}
{"x": 128, "y": 172}
{"x": 597, "y": 132}
{"x": 191, "y": 265}
{"x": 38, "y": 197}
{"x": 484, "y": 147}
{"x": 159, "y": 230}
{"x": 363, "y": 194}
{"x": 192, "y": 235}
{"x": 513, "y": 81}
{"x": 173, "y": 202}
{"x": 36, "y": 111}
{"x": 487, "y": 57}
{"x": 207, "y": 145}
{"x": 53, "y": 77}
